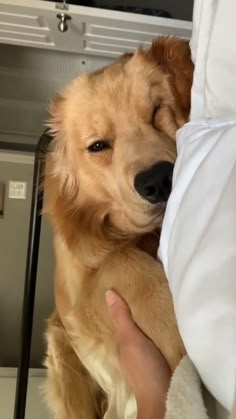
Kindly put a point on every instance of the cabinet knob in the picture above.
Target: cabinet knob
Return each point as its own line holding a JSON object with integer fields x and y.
{"x": 63, "y": 18}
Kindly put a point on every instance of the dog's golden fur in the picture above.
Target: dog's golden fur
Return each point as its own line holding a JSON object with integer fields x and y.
{"x": 103, "y": 228}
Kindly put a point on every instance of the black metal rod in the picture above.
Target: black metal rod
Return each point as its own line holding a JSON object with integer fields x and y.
{"x": 30, "y": 280}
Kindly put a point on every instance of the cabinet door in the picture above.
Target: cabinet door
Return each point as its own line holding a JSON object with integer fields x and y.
{"x": 94, "y": 31}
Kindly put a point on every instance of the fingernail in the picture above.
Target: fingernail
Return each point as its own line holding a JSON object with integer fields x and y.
{"x": 111, "y": 297}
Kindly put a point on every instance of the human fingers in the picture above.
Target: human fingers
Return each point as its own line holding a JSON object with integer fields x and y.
{"x": 121, "y": 316}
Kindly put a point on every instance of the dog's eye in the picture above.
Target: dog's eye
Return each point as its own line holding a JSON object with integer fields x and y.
{"x": 98, "y": 146}
{"x": 156, "y": 109}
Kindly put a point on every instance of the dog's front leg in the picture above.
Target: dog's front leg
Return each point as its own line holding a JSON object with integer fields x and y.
{"x": 141, "y": 281}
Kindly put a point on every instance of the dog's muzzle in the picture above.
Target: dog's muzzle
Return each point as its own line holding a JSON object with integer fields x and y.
{"x": 155, "y": 184}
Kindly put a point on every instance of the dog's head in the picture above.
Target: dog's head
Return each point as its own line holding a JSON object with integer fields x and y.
{"x": 114, "y": 136}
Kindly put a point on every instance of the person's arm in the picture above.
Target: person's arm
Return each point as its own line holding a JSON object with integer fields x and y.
{"x": 144, "y": 366}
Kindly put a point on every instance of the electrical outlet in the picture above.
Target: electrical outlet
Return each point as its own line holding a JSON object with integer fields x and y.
{"x": 17, "y": 190}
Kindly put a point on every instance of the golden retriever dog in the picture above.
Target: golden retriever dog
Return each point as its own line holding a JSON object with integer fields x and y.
{"x": 108, "y": 178}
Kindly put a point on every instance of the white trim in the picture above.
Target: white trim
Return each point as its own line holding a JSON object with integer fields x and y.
{"x": 13, "y": 157}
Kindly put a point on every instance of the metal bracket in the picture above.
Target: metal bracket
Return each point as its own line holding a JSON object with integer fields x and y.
{"x": 62, "y": 6}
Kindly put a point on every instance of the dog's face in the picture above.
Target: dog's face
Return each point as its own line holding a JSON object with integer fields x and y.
{"x": 115, "y": 132}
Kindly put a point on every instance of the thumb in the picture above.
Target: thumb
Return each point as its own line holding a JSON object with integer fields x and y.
{"x": 120, "y": 314}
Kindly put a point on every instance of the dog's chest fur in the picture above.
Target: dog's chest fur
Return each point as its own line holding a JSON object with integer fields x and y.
{"x": 105, "y": 370}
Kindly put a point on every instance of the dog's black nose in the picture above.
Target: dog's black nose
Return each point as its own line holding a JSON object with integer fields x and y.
{"x": 155, "y": 184}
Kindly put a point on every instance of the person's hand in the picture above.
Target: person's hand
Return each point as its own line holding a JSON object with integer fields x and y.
{"x": 145, "y": 368}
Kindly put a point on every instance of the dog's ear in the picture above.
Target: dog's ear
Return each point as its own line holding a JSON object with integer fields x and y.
{"x": 61, "y": 162}
{"x": 60, "y": 183}
{"x": 173, "y": 57}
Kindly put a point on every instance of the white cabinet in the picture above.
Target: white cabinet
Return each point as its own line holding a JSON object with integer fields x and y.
{"x": 93, "y": 31}
{"x": 36, "y": 59}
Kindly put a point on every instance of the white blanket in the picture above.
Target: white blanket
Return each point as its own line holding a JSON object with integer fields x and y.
{"x": 213, "y": 49}
{"x": 198, "y": 242}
